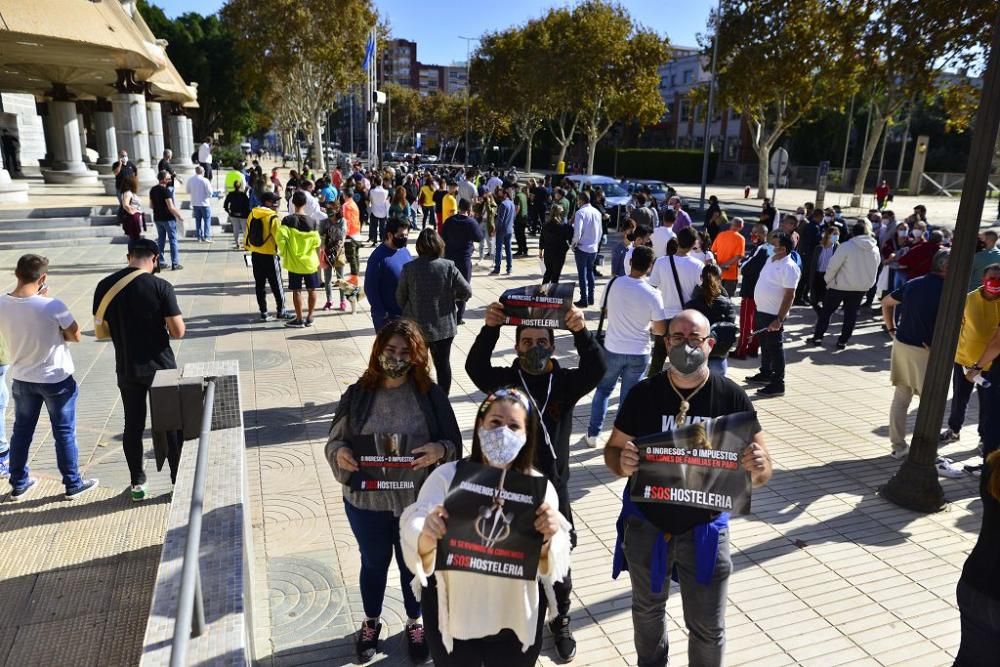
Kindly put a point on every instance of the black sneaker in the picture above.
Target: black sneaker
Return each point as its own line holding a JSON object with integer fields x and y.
{"x": 287, "y": 315}
{"x": 295, "y": 324}
{"x": 366, "y": 641}
{"x": 759, "y": 378}
{"x": 85, "y": 486}
{"x": 17, "y": 494}
{"x": 582, "y": 303}
{"x": 308, "y": 322}
{"x": 176, "y": 267}
{"x": 776, "y": 388}
{"x": 565, "y": 644}
{"x": 416, "y": 645}
{"x": 841, "y": 346}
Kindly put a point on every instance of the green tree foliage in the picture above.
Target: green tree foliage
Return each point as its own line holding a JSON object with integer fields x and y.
{"x": 203, "y": 49}
{"x": 780, "y": 61}
{"x": 905, "y": 48}
{"x": 315, "y": 46}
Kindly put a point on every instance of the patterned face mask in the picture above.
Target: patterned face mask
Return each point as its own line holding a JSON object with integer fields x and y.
{"x": 394, "y": 367}
{"x": 501, "y": 445}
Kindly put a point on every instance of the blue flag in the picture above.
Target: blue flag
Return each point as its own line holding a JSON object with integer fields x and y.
{"x": 369, "y": 52}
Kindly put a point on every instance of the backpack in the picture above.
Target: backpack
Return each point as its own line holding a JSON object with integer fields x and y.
{"x": 255, "y": 230}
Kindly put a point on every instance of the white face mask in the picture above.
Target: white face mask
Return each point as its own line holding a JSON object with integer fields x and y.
{"x": 501, "y": 445}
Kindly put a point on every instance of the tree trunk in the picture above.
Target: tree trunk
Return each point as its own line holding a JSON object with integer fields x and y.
{"x": 455, "y": 152}
{"x": 530, "y": 140}
{"x": 878, "y": 124}
{"x": 763, "y": 170}
{"x": 513, "y": 155}
{"x": 592, "y": 138}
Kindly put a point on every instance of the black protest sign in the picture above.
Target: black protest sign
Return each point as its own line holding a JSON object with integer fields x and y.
{"x": 538, "y": 305}
{"x": 697, "y": 465}
{"x": 385, "y": 463}
{"x": 491, "y": 523}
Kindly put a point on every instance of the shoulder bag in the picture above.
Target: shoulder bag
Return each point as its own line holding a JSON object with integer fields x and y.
{"x": 101, "y": 329}
{"x": 600, "y": 336}
{"x": 677, "y": 282}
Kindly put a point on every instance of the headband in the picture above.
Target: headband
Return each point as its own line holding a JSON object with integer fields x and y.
{"x": 510, "y": 393}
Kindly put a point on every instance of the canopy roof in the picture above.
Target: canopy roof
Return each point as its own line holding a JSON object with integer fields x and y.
{"x": 80, "y": 43}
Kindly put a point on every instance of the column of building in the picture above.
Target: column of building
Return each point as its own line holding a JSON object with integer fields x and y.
{"x": 180, "y": 140}
{"x": 132, "y": 125}
{"x": 107, "y": 142}
{"x": 66, "y": 164}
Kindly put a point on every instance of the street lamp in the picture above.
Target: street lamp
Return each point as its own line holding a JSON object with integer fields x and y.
{"x": 468, "y": 62}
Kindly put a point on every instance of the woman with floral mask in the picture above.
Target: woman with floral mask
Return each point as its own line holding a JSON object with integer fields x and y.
{"x": 474, "y": 619}
{"x": 395, "y": 395}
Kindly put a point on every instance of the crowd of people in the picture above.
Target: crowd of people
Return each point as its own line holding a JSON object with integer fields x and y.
{"x": 672, "y": 323}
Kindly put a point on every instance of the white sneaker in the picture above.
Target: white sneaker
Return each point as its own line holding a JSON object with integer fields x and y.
{"x": 948, "y": 468}
{"x": 900, "y": 453}
{"x": 591, "y": 441}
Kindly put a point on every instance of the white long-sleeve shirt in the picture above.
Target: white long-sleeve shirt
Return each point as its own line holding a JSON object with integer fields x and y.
{"x": 587, "y": 229}
{"x": 509, "y": 603}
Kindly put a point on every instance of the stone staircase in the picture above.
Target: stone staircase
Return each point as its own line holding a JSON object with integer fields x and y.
{"x": 53, "y": 227}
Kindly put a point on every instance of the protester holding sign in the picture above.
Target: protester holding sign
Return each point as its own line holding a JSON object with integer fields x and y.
{"x": 554, "y": 391}
{"x": 394, "y": 401}
{"x": 483, "y": 606}
{"x": 654, "y": 538}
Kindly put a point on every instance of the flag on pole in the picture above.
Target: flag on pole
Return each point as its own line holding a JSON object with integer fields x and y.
{"x": 369, "y": 52}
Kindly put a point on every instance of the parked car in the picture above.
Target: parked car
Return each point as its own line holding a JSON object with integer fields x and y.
{"x": 616, "y": 197}
{"x": 661, "y": 191}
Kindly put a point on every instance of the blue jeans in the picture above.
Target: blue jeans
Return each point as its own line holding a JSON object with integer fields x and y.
{"x": 718, "y": 364}
{"x": 585, "y": 270}
{"x": 630, "y": 368}
{"x": 59, "y": 399}
{"x": 503, "y": 242}
{"x": 167, "y": 229}
{"x": 377, "y": 534}
{"x": 704, "y": 606}
{"x": 4, "y": 445}
{"x": 203, "y": 221}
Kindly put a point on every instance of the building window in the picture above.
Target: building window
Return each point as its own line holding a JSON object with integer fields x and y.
{"x": 688, "y": 75}
{"x": 732, "y": 148}
{"x": 685, "y": 110}
{"x": 699, "y": 142}
{"x": 734, "y": 114}
{"x": 673, "y": 79}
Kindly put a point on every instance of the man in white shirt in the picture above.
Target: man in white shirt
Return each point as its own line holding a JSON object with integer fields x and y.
{"x": 849, "y": 275}
{"x": 37, "y": 329}
{"x": 632, "y": 307}
{"x": 679, "y": 268}
{"x": 493, "y": 182}
{"x": 467, "y": 189}
{"x": 205, "y": 156}
{"x": 378, "y": 209}
{"x": 773, "y": 296}
{"x": 587, "y": 231}
{"x": 312, "y": 209}
{"x": 200, "y": 189}
{"x": 664, "y": 233}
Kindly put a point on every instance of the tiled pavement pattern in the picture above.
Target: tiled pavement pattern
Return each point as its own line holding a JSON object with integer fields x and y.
{"x": 826, "y": 573}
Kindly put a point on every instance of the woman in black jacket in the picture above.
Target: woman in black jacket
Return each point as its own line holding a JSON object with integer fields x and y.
{"x": 710, "y": 299}
{"x": 557, "y": 234}
{"x": 396, "y": 398}
{"x": 817, "y": 267}
{"x": 237, "y": 206}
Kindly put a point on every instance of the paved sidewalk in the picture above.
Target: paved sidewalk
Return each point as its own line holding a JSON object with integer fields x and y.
{"x": 825, "y": 573}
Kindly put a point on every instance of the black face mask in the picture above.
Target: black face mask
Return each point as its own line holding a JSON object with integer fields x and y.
{"x": 399, "y": 242}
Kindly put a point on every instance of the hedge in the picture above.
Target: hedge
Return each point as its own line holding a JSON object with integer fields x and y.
{"x": 664, "y": 164}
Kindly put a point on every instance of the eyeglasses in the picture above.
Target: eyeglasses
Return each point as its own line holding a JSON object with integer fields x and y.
{"x": 694, "y": 340}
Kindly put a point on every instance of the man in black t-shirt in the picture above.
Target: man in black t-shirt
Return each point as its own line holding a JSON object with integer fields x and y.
{"x": 165, "y": 217}
{"x": 142, "y": 317}
{"x": 122, "y": 169}
{"x": 165, "y": 165}
{"x": 654, "y": 406}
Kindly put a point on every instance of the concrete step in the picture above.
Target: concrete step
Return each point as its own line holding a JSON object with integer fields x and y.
{"x": 42, "y": 246}
{"x": 59, "y": 212}
{"x": 49, "y": 223}
{"x": 57, "y": 233}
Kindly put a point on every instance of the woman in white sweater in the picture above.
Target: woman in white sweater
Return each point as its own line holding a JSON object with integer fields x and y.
{"x": 474, "y": 619}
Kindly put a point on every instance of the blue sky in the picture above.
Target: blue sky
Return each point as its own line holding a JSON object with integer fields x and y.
{"x": 437, "y": 39}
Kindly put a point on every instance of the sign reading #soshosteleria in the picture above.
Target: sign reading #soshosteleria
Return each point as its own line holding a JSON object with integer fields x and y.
{"x": 385, "y": 463}
{"x": 697, "y": 465}
{"x": 538, "y": 305}
{"x": 491, "y": 522}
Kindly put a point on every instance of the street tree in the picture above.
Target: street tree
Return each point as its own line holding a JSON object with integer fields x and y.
{"x": 203, "y": 49}
{"x": 779, "y": 61}
{"x": 906, "y": 48}
{"x": 622, "y": 61}
{"x": 404, "y": 104}
{"x": 504, "y": 77}
{"x": 318, "y": 44}
{"x": 444, "y": 115}
{"x": 560, "y": 93}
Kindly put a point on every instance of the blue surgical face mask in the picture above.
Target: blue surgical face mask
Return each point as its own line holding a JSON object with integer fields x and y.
{"x": 770, "y": 249}
{"x": 834, "y": 238}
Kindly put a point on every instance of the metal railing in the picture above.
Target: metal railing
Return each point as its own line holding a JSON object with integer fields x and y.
{"x": 190, "y": 604}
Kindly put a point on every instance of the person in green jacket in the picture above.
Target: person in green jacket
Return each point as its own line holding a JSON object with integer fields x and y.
{"x": 298, "y": 245}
